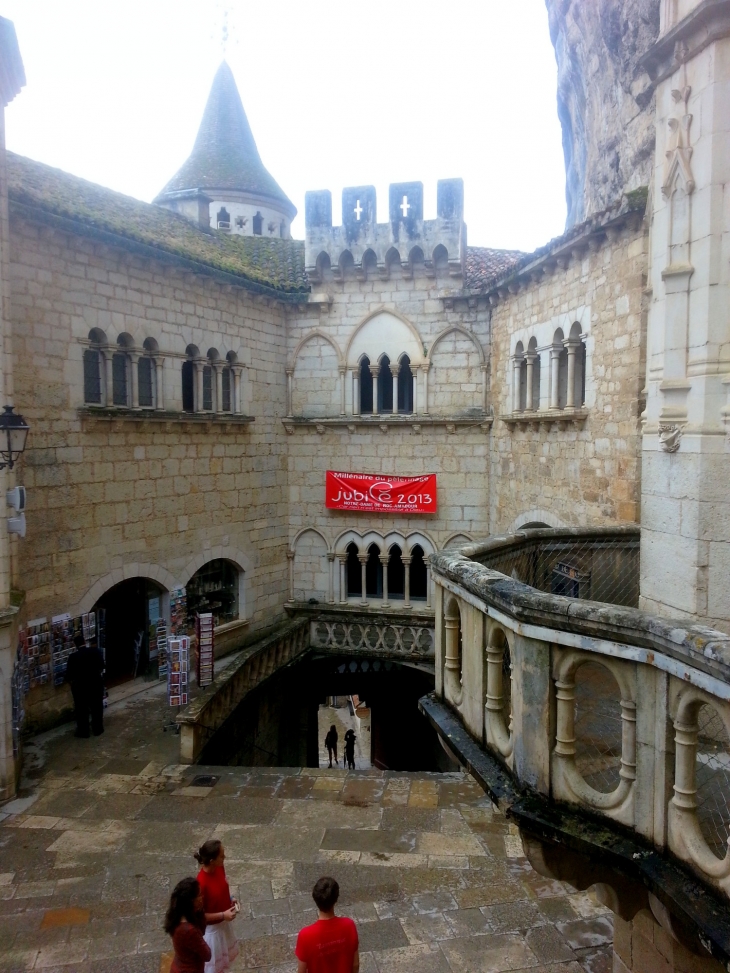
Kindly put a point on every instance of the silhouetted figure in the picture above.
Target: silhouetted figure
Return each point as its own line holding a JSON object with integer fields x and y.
{"x": 330, "y": 741}
{"x": 85, "y": 673}
{"x": 350, "y": 749}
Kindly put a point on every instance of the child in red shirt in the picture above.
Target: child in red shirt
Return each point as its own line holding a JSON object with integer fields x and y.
{"x": 330, "y": 945}
{"x": 219, "y": 908}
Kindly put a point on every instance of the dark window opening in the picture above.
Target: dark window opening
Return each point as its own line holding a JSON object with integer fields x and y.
{"x": 353, "y": 573}
{"x": 373, "y": 574}
{"x": 396, "y": 574}
{"x": 146, "y": 390}
{"x": 366, "y": 387}
{"x": 119, "y": 380}
{"x": 418, "y": 574}
{"x": 188, "y": 386}
{"x": 214, "y": 588}
{"x": 226, "y": 390}
{"x": 385, "y": 386}
{"x": 223, "y": 219}
{"x": 563, "y": 378}
{"x": 405, "y": 385}
{"x": 282, "y": 229}
{"x": 92, "y": 376}
{"x": 258, "y": 224}
{"x": 580, "y": 378}
{"x": 207, "y": 388}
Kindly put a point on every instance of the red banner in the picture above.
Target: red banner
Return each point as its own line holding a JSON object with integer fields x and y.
{"x": 381, "y": 494}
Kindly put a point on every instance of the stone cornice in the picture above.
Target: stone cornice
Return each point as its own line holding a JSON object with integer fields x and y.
{"x": 118, "y": 414}
{"x": 708, "y": 22}
{"x": 546, "y": 416}
{"x": 388, "y": 423}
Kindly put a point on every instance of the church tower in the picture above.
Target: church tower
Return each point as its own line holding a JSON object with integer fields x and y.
{"x": 224, "y": 180}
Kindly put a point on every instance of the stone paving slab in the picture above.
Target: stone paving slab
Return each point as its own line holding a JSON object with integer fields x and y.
{"x": 431, "y": 872}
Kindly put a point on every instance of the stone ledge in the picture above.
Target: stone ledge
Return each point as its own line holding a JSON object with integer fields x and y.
{"x": 106, "y": 414}
{"x": 387, "y": 422}
{"x": 546, "y": 416}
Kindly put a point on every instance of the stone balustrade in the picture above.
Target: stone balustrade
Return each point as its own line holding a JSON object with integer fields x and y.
{"x": 607, "y": 712}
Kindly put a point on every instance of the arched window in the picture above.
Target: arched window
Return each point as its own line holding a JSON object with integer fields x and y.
{"x": 520, "y": 378}
{"x": 223, "y": 219}
{"x": 146, "y": 382}
{"x": 405, "y": 385}
{"x": 577, "y": 369}
{"x": 258, "y": 224}
{"x": 418, "y": 574}
{"x": 373, "y": 573}
{"x": 353, "y": 581}
{"x": 366, "y": 386}
{"x": 214, "y": 588}
{"x": 121, "y": 371}
{"x": 92, "y": 376}
{"x": 188, "y": 379}
{"x": 533, "y": 376}
{"x": 385, "y": 386}
{"x": 226, "y": 389}
{"x": 209, "y": 380}
{"x": 396, "y": 573}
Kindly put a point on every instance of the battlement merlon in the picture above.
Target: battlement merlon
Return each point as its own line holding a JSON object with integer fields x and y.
{"x": 407, "y": 239}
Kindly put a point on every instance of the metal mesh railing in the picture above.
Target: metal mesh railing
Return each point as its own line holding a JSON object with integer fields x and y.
{"x": 713, "y": 779}
{"x": 507, "y": 685}
{"x": 597, "y": 727}
{"x": 598, "y": 568}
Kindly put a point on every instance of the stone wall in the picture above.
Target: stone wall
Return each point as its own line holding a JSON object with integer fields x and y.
{"x": 586, "y": 470}
{"x": 114, "y": 499}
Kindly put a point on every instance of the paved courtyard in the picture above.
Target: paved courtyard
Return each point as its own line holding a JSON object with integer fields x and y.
{"x": 432, "y": 874}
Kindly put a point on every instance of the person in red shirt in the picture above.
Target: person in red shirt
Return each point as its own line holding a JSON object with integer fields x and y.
{"x": 185, "y": 923}
{"x": 330, "y": 945}
{"x": 219, "y": 908}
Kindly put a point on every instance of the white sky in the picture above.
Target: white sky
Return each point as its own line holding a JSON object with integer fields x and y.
{"x": 337, "y": 94}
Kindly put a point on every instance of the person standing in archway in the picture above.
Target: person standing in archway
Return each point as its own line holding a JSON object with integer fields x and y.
{"x": 330, "y": 741}
{"x": 85, "y": 672}
{"x": 350, "y": 749}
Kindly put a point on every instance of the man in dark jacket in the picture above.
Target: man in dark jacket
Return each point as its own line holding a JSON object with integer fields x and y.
{"x": 85, "y": 673}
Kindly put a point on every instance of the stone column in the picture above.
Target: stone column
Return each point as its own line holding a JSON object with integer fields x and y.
{"x": 237, "y": 404}
{"x": 572, "y": 347}
{"x": 384, "y": 558}
{"x": 516, "y": 369}
{"x": 394, "y": 369}
{"x": 198, "y": 364}
{"x": 343, "y": 378}
{"x": 356, "y": 391}
{"x": 485, "y": 387}
{"x": 342, "y": 558}
{"x": 133, "y": 359}
{"x": 159, "y": 382}
{"x": 406, "y": 581}
{"x": 331, "y": 579}
{"x": 363, "y": 559}
{"x": 529, "y": 402}
{"x": 424, "y": 370}
{"x": 289, "y": 406}
{"x": 218, "y": 371}
{"x": 108, "y": 354}
{"x": 375, "y": 371}
{"x": 290, "y": 558}
{"x": 427, "y": 562}
{"x": 554, "y": 376}
{"x": 414, "y": 374}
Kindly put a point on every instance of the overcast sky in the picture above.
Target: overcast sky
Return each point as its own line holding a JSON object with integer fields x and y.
{"x": 337, "y": 94}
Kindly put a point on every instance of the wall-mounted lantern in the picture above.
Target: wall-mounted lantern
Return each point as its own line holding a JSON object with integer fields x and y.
{"x": 13, "y": 434}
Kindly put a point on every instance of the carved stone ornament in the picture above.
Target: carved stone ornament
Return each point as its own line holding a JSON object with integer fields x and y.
{"x": 679, "y": 151}
{"x": 669, "y": 437}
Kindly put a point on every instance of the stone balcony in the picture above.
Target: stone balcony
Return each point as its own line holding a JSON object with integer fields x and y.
{"x": 602, "y": 730}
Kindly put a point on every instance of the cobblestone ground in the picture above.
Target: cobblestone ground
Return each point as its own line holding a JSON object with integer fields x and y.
{"x": 432, "y": 874}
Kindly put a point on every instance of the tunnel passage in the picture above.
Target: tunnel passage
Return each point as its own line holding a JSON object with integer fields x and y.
{"x": 276, "y": 725}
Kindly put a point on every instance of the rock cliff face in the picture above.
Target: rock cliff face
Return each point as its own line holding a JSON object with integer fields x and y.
{"x": 605, "y": 103}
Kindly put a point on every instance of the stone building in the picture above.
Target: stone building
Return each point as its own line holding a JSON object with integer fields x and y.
{"x": 190, "y": 374}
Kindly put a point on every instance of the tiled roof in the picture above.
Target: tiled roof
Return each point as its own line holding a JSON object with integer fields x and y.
{"x": 225, "y": 156}
{"x": 484, "y": 265}
{"x": 261, "y": 263}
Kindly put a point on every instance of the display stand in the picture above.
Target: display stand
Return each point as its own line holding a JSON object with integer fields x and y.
{"x": 178, "y": 655}
{"x": 161, "y": 648}
{"x": 204, "y": 631}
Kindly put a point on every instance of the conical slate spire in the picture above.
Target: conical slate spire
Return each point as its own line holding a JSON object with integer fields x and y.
{"x": 225, "y": 156}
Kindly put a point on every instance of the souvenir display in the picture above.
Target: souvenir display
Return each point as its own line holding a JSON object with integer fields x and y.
{"x": 178, "y": 652}
{"x": 160, "y": 648}
{"x": 204, "y": 632}
{"x": 178, "y": 611}
{"x": 16, "y": 688}
{"x": 43, "y": 648}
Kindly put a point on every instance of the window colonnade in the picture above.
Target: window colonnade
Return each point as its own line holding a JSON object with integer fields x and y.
{"x": 122, "y": 376}
{"x": 566, "y": 373}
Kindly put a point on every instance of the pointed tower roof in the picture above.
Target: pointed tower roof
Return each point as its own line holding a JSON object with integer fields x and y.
{"x": 225, "y": 156}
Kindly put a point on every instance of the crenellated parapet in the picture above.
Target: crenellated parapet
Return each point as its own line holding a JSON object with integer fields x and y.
{"x": 367, "y": 247}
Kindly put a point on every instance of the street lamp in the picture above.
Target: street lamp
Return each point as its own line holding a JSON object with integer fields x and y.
{"x": 13, "y": 433}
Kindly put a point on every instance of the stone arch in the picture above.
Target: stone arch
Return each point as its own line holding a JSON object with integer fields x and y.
{"x": 457, "y": 381}
{"x": 440, "y": 257}
{"x": 310, "y": 567}
{"x": 305, "y": 530}
{"x": 315, "y": 376}
{"x": 154, "y": 572}
{"x": 369, "y": 261}
{"x": 316, "y": 333}
{"x": 238, "y": 559}
{"x": 459, "y": 539}
{"x": 355, "y": 348}
{"x": 420, "y": 537}
{"x": 467, "y": 334}
{"x": 536, "y": 515}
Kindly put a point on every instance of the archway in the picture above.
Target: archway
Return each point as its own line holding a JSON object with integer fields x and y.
{"x": 132, "y": 609}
